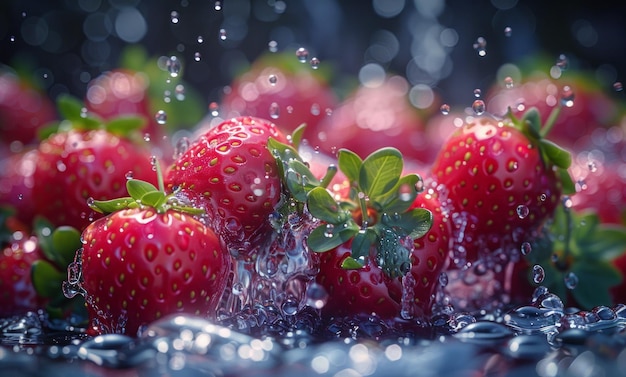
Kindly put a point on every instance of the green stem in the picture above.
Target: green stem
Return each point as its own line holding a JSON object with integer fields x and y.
{"x": 549, "y": 124}
{"x": 364, "y": 215}
{"x": 328, "y": 177}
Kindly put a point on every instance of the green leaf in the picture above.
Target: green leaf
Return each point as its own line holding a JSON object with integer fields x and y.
{"x": 380, "y": 172}
{"x": 137, "y": 189}
{"x": 323, "y": 206}
{"x": 42, "y": 228}
{"x": 283, "y": 152}
{"x": 362, "y": 243}
{"x": 300, "y": 180}
{"x": 400, "y": 198}
{"x": 607, "y": 243}
{"x": 415, "y": 223}
{"x": 349, "y": 164}
{"x": 124, "y": 125}
{"x": 566, "y": 181}
{"x": 322, "y": 238}
{"x": 351, "y": 264}
{"x": 594, "y": 283}
{"x": 533, "y": 119}
{"x": 46, "y": 278}
{"x": 557, "y": 155}
{"x": 65, "y": 241}
{"x": 70, "y": 107}
{"x": 154, "y": 199}
{"x": 110, "y": 206}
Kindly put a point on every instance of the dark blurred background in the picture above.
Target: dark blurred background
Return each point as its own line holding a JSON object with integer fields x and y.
{"x": 65, "y": 43}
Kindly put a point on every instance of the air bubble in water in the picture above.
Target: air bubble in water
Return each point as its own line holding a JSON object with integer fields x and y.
{"x": 315, "y": 63}
{"x": 161, "y": 117}
{"x": 617, "y": 86}
{"x": 174, "y": 16}
{"x": 526, "y": 248}
{"x": 477, "y": 93}
{"x": 538, "y": 274}
{"x": 508, "y": 31}
{"x": 571, "y": 280}
{"x": 567, "y": 97}
{"x": 562, "y": 62}
{"x": 197, "y": 56}
{"x": 522, "y": 211}
{"x": 274, "y": 110}
{"x": 223, "y": 34}
{"x": 445, "y": 109}
{"x": 173, "y": 66}
{"x": 272, "y": 79}
{"x": 302, "y": 54}
{"x": 481, "y": 46}
{"x": 479, "y": 107}
{"x": 272, "y": 46}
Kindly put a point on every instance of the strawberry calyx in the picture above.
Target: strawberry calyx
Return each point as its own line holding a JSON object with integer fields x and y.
{"x": 376, "y": 216}
{"x": 574, "y": 248}
{"x": 143, "y": 195}
{"x": 75, "y": 116}
{"x": 530, "y": 125}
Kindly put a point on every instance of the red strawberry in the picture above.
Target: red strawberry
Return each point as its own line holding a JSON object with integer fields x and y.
{"x": 17, "y": 293}
{"x": 147, "y": 261}
{"x": 230, "y": 173}
{"x": 85, "y": 162}
{"x": 281, "y": 88}
{"x": 23, "y": 110}
{"x": 502, "y": 180}
{"x": 16, "y": 184}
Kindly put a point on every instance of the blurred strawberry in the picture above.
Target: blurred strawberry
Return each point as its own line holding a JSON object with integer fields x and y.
{"x": 23, "y": 109}
{"x": 16, "y": 184}
{"x": 280, "y": 88}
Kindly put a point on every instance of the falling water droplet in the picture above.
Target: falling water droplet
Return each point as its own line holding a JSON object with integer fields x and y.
{"x": 180, "y": 92}
{"x": 538, "y": 274}
{"x": 174, "y": 17}
{"x": 567, "y": 97}
{"x": 445, "y": 109}
{"x": 197, "y": 56}
{"x": 200, "y": 39}
{"x": 161, "y": 117}
{"x": 218, "y": 5}
{"x": 571, "y": 280}
{"x": 173, "y": 66}
{"x": 477, "y": 93}
{"x": 508, "y": 82}
{"x": 272, "y": 46}
{"x": 479, "y": 107}
{"x": 481, "y": 46}
{"x": 562, "y": 62}
{"x": 214, "y": 109}
{"x": 20, "y": 196}
{"x": 272, "y": 79}
{"x": 592, "y": 166}
{"x": 302, "y": 54}
{"x": 274, "y": 110}
{"x": 223, "y": 34}
{"x": 526, "y": 248}
{"x": 508, "y": 31}
{"x": 182, "y": 145}
{"x": 522, "y": 211}
{"x": 146, "y": 137}
{"x": 617, "y": 86}
{"x": 315, "y": 63}
{"x": 12, "y": 38}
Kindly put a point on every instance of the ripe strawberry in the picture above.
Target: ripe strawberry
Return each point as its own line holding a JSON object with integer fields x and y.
{"x": 146, "y": 261}
{"x": 280, "y": 88}
{"x": 87, "y": 161}
{"x": 16, "y": 184}
{"x": 503, "y": 182}
{"x": 231, "y": 174}
{"x": 23, "y": 110}
{"x": 372, "y": 118}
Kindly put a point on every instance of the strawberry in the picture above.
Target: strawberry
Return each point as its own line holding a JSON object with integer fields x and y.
{"x": 231, "y": 174}
{"x": 85, "y": 161}
{"x": 503, "y": 180}
{"x": 149, "y": 257}
{"x": 374, "y": 117}
{"x": 280, "y": 88}
{"x": 16, "y": 184}
{"x": 367, "y": 239}
{"x": 23, "y": 110}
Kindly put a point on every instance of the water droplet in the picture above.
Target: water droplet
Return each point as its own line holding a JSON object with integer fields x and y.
{"x": 290, "y": 306}
{"x": 180, "y": 92}
{"x": 200, "y": 39}
{"x": 543, "y": 197}
{"x": 522, "y": 211}
{"x": 315, "y": 63}
{"x": 328, "y": 230}
{"x": 274, "y": 110}
{"x": 272, "y": 79}
{"x": 129, "y": 175}
{"x": 479, "y": 107}
{"x": 571, "y": 280}
{"x": 302, "y": 54}
{"x": 222, "y": 34}
{"x": 592, "y": 166}
{"x": 214, "y": 108}
{"x": 481, "y": 46}
{"x": 182, "y": 145}
{"x": 538, "y": 274}
{"x": 508, "y": 31}
{"x": 567, "y": 97}
{"x": 526, "y": 248}
{"x": 617, "y": 86}
{"x": 272, "y": 46}
{"x": 316, "y": 296}
{"x": 445, "y": 109}
{"x": 12, "y": 38}
{"x": 443, "y": 279}
{"x": 238, "y": 289}
{"x": 174, "y": 16}
{"x": 315, "y": 109}
{"x": 508, "y": 82}
{"x": 218, "y": 6}
{"x": 161, "y": 117}
{"x": 477, "y": 93}
{"x": 562, "y": 62}
{"x": 173, "y": 66}
{"x": 20, "y": 196}
{"x": 197, "y": 56}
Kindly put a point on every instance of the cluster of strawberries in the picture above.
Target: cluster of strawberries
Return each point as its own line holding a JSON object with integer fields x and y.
{"x": 399, "y": 200}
